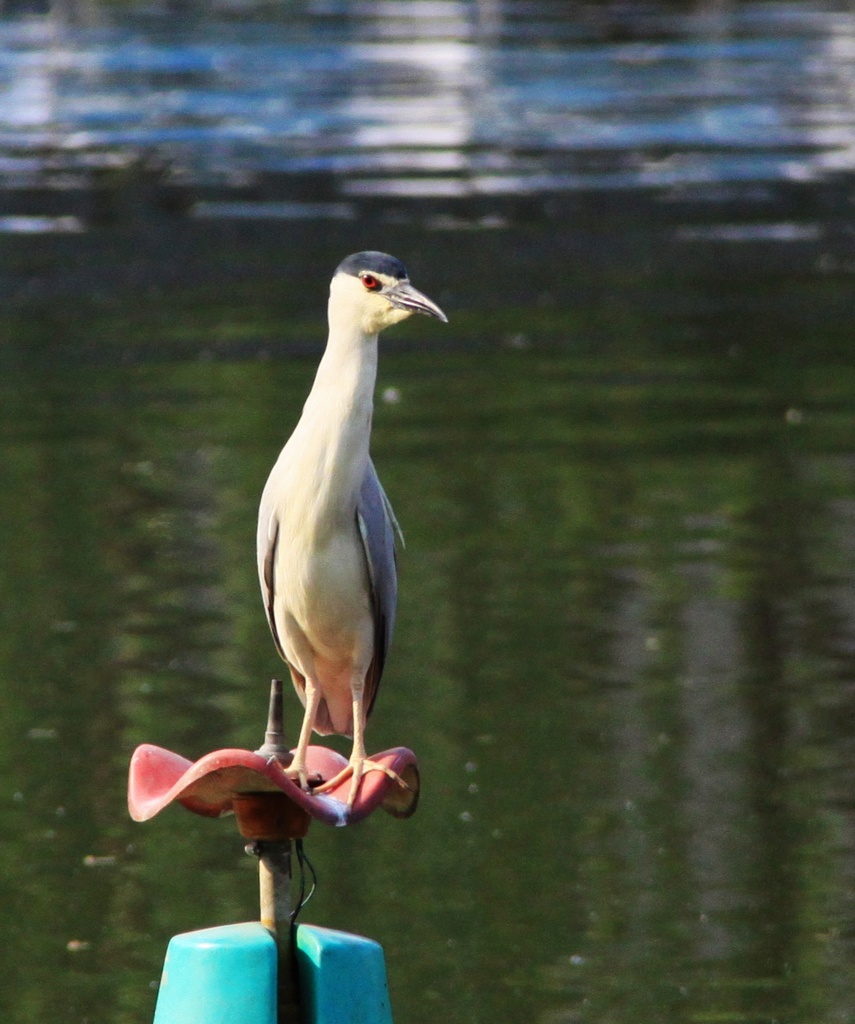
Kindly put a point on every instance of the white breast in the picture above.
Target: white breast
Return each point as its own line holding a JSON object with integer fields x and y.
{"x": 321, "y": 607}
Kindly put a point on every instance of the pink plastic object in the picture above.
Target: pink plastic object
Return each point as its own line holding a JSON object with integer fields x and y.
{"x": 217, "y": 781}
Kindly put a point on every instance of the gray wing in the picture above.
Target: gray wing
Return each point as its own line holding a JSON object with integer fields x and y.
{"x": 266, "y": 543}
{"x": 377, "y": 525}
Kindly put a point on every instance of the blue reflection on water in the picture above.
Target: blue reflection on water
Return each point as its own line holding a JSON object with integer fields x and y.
{"x": 443, "y": 98}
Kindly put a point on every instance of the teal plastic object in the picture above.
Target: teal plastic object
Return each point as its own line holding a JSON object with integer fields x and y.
{"x": 221, "y": 975}
{"x": 342, "y": 977}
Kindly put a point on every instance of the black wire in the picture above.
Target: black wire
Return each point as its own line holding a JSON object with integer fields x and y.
{"x": 302, "y": 891}
{"x": 304, "y": 863}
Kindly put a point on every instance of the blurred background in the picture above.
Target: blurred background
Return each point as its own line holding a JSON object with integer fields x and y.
{"x": 625, "y": 471}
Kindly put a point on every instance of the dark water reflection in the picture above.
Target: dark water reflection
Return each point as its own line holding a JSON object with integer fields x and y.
{"x": 626, "y": 473}
{"x": 624, "y": 656}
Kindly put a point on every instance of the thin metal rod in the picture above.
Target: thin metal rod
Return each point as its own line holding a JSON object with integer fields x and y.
{"x": 274, "y": 885}
{"x": 274, "y": 864}
{"x": 274, "y": 876}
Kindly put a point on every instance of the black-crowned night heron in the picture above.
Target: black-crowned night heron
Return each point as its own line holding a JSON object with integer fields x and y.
{"x": 326, "y": 544}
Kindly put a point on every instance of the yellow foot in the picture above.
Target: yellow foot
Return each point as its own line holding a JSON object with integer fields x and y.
{"x": 299, "y": 773}
{"x": 357, "y": 768}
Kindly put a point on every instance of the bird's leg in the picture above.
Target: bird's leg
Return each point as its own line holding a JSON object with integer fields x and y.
{"x": 358, "y": 757}
{"x": 359, "y": 762}
{"x": 297, "y": 769}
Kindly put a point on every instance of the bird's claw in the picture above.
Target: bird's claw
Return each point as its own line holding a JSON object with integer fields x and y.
{"x": 300, "y": 774}
{"x": 297, "y": 772}
{"x": 356, "y": 769}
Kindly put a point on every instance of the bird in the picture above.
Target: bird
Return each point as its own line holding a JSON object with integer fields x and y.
{"x": 326, "y": 530}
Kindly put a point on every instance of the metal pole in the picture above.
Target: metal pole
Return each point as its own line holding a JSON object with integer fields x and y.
{"x": 272, "y": 821}
{"x": 274, "y": 878}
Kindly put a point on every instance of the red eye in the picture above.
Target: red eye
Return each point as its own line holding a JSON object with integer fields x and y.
{"x": 370, "y": 282}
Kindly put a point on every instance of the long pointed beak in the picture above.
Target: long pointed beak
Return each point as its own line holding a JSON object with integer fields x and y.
{"x": 404, "y": 296}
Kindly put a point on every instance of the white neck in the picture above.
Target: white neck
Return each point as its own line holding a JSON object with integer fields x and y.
{"x": 337, "y": 418}
{"x": 344, "y": 382}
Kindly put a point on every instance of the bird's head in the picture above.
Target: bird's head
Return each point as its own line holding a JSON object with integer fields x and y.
{"x": 373, "y": 290}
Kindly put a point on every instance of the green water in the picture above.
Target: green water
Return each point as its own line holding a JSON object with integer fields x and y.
{"x": 623, "y": 654}
{"x": 625, "y": 651}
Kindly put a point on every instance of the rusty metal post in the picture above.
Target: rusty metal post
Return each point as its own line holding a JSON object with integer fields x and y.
{"x": 274, "y": 886}
{"x": 272, "y": 821}
{"x": 274, "y": 878}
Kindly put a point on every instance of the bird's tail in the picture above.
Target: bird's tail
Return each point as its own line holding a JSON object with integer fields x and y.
{"x": 337, "y": 720}
{"x": 329, "y": 721}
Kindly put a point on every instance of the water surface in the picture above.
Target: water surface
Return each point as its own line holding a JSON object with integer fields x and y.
{"x": 625, "y": 471}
